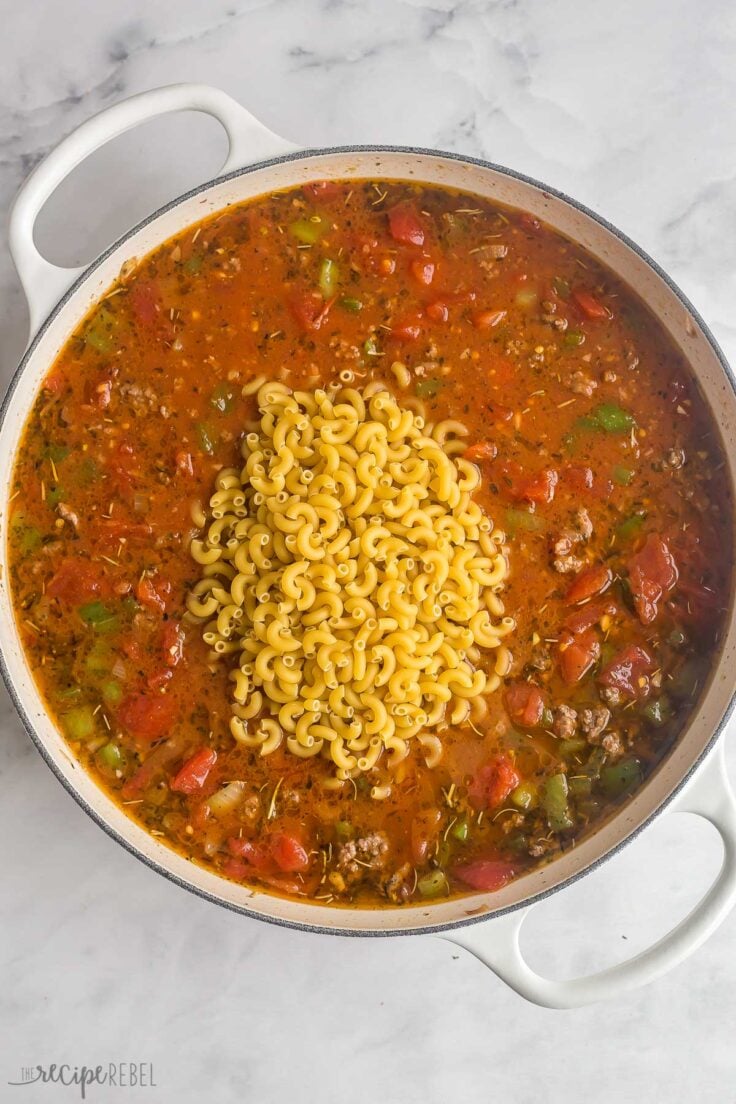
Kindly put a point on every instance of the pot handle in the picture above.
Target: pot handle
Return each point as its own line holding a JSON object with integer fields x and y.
{"x": 496, "y": 943}
{"x": 249, "y": 141}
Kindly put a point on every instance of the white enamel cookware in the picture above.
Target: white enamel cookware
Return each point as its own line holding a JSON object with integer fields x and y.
{"x": 692, "y": 777}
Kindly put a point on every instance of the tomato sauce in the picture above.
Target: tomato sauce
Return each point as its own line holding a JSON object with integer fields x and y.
{"x": 599, "y": 458}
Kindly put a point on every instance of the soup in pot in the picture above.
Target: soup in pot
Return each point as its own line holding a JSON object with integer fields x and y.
{"x": 370, "y": 543}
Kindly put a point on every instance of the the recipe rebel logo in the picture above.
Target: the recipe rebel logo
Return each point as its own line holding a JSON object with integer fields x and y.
{"x": 118, "y": 1075}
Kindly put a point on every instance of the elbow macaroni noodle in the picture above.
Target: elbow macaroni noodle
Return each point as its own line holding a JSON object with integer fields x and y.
{"x": 350, "y": 571}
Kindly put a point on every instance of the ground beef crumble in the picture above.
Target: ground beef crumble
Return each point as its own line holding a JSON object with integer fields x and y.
{"x": 576, "y": 533}
{"x": 368, "y": 852}
{"x": 593, "y": 722}
{"x": 565, "y": 722}
{"x": 581, "y": 384}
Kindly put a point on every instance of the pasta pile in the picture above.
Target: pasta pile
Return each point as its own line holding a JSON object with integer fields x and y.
{"x": 348, "y": 567}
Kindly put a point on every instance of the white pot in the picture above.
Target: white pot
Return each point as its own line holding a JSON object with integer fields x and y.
{"x": 260, "y": 162}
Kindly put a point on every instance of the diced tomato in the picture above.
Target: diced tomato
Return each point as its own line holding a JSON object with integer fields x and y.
{"x": 255, "y": 854}
{"x": 508, "y": 475}
{"x": 493, "y": 783}
{"x": 423, "y": 835}
{"x": 77, "y": 581}
{"x": 577, "y": 655}
{"x": 589, "y": 615}
{"x": 289, "y": 852}
{"x": 200, "y": 815}
{"x": 579, "y": 479}
{"x": 486, "y": 874}
{"x": 137, "y": 782}
{"x": 408, "y": 329}
{"x": 145, "y": 302}
{"x": 148, "y": 716}
{"x": 55, "y": 382}
{"x": 589, "y": 305}
{"x": 248, "y": 857}
{"x": 152, "y": 592}
{"x": 309, "y": 309}
{"x": 123, "y": 467}
{"x": 324, "y": 190}
{"x": 172, "y": 643}
{"x": 481, "y": 450}
{"x": 98, "y": 393}
{"x": 235, "y": 869}
{"x": 487, "y": 319}
{"x": 437, "y": 311}
{"x": 591, "y": 581}
{"x": 193, "y": 775}
{"x": 423, "y": 271}
{"x": 652, "y": 573}
{"x": 627, "y": 672}
{"x": 155, "y": 763}
{"x": 524, "y": 704}
{"x": 184, "y": 464}
{"x": 537, "y": 488}
{"x": 582, "y": 480}
{"x": 405, "y": 225}
{"x": 499, "y": 413}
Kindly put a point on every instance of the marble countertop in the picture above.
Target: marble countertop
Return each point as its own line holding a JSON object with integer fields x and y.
{"x": 630, "y": 108}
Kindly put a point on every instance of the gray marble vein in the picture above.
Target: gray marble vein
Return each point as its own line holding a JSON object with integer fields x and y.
{"x": 629, "y": 107}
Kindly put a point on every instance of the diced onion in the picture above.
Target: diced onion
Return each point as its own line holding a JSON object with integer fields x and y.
{"x": 226, "y": 799}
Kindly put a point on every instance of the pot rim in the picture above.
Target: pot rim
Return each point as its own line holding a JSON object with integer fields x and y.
{"x": 119, "y": 837}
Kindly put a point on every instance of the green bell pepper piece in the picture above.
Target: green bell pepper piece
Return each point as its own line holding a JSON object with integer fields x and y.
{"x": 555, "y": 803}
{"x": 525, "y": 796}
{"x": 631, "y": 527}
{"x": 657, "y": 711}
{"x": 619, "y": 778}
{"x": 522, "y": 519}
{"x": 433, "y": 884}
{"x": 328, "y": 278}
{"x": 111, "y": 757}
{"x": 308, "y": 231}
{"x": 622, "y": 476}
{"x": 207, "y": 437}
{"x": 613, "y": 419}
{"x": 99, "y": 616}
{"x": 79, "y": 723}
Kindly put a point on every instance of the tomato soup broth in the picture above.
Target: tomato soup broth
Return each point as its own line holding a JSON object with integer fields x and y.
{"x": 598, "y": 461}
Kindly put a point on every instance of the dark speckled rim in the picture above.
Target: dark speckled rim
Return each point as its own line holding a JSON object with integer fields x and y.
{"x": 420, "y": 928}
